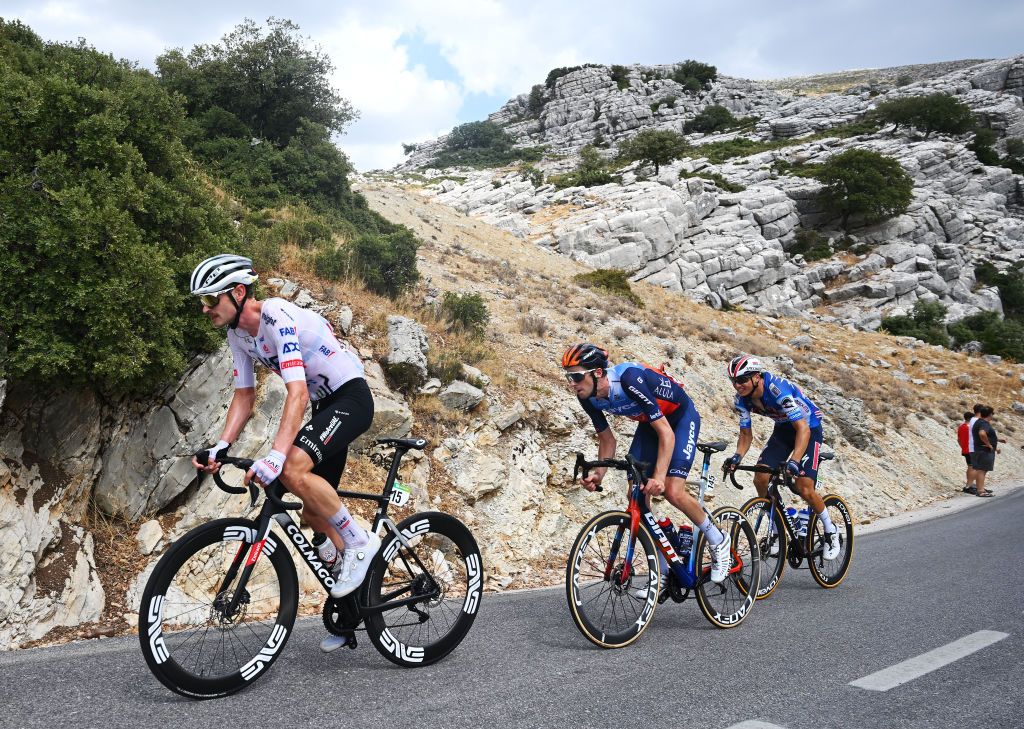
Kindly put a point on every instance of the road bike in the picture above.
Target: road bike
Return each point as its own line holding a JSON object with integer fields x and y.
{"x": 614, "y": 581}
{"x": 782, "y": 536}
{"x": 220, "y": 605}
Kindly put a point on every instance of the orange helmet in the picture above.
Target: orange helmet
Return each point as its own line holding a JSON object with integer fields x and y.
{"x": 585, "y": 355}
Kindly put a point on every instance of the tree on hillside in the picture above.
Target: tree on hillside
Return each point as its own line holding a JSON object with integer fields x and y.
{"x": 267, "y": 78}
{"x": 654, "y": 146}
{"x": 482, "y": 144}
{"x": 711, "y": 119}
{"x": 932, "y": 113}
{"x": 865, "y": 185}
{"x": 102, "y": 217}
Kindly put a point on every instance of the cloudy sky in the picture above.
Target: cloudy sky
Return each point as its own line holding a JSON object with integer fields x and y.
{"x": 415, "y": 69}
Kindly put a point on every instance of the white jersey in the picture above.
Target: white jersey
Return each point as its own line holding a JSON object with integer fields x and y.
{"x": 298, "y": 345}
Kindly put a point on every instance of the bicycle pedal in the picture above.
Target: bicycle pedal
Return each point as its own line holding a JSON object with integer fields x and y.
{"x": 352, "y": 642}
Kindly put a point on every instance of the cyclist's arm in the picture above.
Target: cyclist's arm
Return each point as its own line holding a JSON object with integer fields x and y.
{"x": 744, "y": 441}
{"x": 239, "y": 412}
{"x": 666, "y": 444}
{"x": 803, "y": 437}
{"x": 291, "y": 418}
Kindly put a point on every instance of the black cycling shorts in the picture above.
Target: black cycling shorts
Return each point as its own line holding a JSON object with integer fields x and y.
{"x": 338, "y": 419}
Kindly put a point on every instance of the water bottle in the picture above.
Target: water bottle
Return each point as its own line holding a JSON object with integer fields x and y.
{"x": 802, "y": 519}
{"x": 326, "y": 549}
{"x": 685, "y": 541}
{"x": 670, "y": 531}
{"x": 793, "y": 518}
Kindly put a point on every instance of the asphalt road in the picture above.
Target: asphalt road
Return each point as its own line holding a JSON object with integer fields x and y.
{"x": 910, "y": 591}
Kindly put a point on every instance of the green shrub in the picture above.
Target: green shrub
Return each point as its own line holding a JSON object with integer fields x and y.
{"x": 612, "y": 280}
{"x": 620, "y": 75}
{"x": 865, "y": 185}
{"x": 720, "y": 182}
{"x": 592, "y": 170}
{"x": 924, "y": 323}
{"x": 654, "y": 146}
{"x": 711, "y": 119}
{"x": 1004, "y": 337}
{"x": 102, "y": 218}
{"x": 482, "y": 144}
{"x": 443, "y": 365}
{"x": 904, "y": 80}
{"x": 531, "y": 173}
{"x": 1014, "y": 158}
{"x": 466, "y": 311}
{"x": 811, "y": 245}
{"x": 385, "y": 263}
{"x": 535, "y": 104}
{"x": 932, "y": 113}
{"x": 689, "y": 70}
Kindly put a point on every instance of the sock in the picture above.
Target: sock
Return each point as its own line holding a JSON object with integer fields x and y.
{"x": 826, "y": 522}
{"x": 353, "y": 534}
{"x": 712, "y": 532}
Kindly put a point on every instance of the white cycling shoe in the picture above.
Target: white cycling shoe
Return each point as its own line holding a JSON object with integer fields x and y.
{"x": 332, "y": 643}
{"x": 721, "y": 559}
{"x": 356, "y": 562}
{"x": 830, "y": 545}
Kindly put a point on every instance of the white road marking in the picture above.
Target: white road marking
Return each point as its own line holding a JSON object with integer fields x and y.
{"x": 918, "y": 666}
{"x": 754, "y": 724}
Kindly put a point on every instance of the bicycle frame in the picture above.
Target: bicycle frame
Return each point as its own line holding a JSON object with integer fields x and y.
{"x": 640, "y": 514}
{"x": 276, "y": 510}
{"x": 774, "y": 495}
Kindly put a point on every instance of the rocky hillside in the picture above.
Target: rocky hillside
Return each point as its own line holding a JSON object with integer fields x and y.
{"x": 92, "y": 491}
{"x": 866, "y": 79}
{"x": 724, "y": 232}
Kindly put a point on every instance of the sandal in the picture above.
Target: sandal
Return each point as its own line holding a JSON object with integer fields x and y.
{"x": 970, "y": 490}
{"x": 984, "y": 494}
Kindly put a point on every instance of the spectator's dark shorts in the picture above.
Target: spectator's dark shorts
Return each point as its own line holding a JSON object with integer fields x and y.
{"x": 984, "y": 460}
{"x": 967, "y": 457}
{"x": 686, "y": 428}
{"x": 337, "y": 420}
{"x": 780, "y": 445}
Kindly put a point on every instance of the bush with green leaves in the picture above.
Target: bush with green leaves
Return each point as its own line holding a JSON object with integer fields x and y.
{"x": 592, "y": 170}
{"x": 933, "y": 113}
{"x": 102, "y": 216}
{"x": 720, "y": 182}
{"x": 1010, "y": 284}
{"x": 925, "y": 322}
{"x": 482, "y": 144}
{"x": 612, "y": 280}
{"x": 983, "y": 146}
{"x": 620, "y": 75}
{"x": 997, "y": 335}
{"x": 811, "y": 244}
{"x": 386, "y": 263}
{"x": 535, "y": 102}
{"x": 466, "y": 311}
{"x": 654, "y": 146}
{"x": 713, "y": 118}
{"x": 694, "y": 75}
{"x": 1014, "y": 158}
{"x": 865, "y": 186}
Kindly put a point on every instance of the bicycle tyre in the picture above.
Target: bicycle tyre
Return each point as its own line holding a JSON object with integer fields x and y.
{"x": 449, "y": 548}
{"x": 728, "y": 603}
{"x": 587, "y": 563}
{"x": 755, "y": 511}
{"x": 830, "y": 574}
{"x": 179, "y": 614}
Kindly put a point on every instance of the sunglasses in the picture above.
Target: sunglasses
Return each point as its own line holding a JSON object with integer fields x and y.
{"x": 742, "y": 380}
{"x": 578, "y": 377}
{"x": 210, "y": 300}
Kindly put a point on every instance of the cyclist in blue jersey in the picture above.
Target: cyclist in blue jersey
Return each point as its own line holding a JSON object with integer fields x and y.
{"x": 666, "y": 434}
{"x": 796, "y": 439}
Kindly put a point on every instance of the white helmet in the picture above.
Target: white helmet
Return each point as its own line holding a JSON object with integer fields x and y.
{"x": 744, "y": 365}
{"x": 220, "y": 273}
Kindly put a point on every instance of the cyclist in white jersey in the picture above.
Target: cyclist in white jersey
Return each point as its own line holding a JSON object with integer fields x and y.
{"x": 300, "y": 346}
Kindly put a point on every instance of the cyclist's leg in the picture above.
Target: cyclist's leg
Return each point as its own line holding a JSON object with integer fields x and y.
{"x": 805, "y": 484}
{"x": 319, "y": 450}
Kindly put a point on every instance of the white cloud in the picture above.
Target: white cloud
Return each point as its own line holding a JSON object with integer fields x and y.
{"x": 397, "y": 103}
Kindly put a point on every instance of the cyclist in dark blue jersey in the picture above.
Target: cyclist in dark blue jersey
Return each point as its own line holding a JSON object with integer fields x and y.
{"x": 666, "y": 434}
{"x": 796, "y": 439}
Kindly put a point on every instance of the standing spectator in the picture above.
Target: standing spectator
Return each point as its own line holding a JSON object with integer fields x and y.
{"x": 986, "y": 445}
{"x": 972, "y": 488}
{"x": 963, "y": 436}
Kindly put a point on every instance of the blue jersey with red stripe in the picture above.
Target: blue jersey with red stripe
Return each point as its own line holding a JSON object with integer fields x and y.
{"x": 638, "y": 393}
{"x": 782, "y": 401}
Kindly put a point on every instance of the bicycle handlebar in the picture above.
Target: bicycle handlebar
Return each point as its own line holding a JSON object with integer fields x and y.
{"x": 245, "y": 464}
{"x": 779, "y": 470}
{"x": 627, "y": 464}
